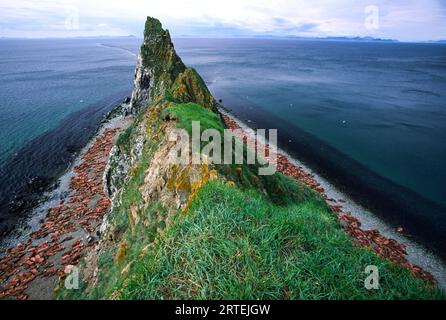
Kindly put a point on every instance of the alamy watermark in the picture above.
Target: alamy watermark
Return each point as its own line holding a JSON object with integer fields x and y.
{"x": 72, "y": 277}
{"x": 372, "y": 17}
{"x": 261, "y": 150}
{"x": 71, "y": 18}
{"x": 371, "y": 282}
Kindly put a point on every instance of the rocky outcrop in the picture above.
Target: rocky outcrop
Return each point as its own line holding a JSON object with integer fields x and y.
{"x": 157, "y": 67}
{"x": 115, "y": 172}
{"x": 123, "y": 155}
{"x": 190, "y": 87}
{"x": 160, "y": 76}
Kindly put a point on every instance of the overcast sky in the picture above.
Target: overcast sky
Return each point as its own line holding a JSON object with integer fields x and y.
{"x": 406, "y": 20}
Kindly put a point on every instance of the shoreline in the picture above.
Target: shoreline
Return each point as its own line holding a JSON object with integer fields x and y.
{"x": 360, "y": 223}
{"x": 424, "y": 220}
{"x": 30, "y": 222}
{"x": 35, "y": 169}
{"x": 61, "y": 228}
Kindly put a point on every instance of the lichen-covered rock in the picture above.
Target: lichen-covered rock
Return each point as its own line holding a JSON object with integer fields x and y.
{"x": 175, "y": 185}
{"x": 122, "y": 158}
{"x": 115, "y": 172}
{"x": 190, "y": 87}
{"x": 158, "y": 65}
{"x": 160, "y": 77}
{"x": 161, "y": 81}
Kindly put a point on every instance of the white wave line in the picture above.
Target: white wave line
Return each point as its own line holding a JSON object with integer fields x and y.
{"x": 117, "y": 48}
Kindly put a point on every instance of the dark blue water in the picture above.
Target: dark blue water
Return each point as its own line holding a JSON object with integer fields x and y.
{"x": 53, "y": 95}
{"x": 369, "y": 116}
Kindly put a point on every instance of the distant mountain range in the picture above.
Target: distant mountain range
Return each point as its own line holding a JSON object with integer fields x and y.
{"x": 340, "y": 38}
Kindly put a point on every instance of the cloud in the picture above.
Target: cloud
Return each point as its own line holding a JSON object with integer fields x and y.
{"x": 400, "y": 19}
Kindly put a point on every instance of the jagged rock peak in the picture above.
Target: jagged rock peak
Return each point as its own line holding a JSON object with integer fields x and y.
{"x": 157, "y": 50}
{"x": 157, "y": 67}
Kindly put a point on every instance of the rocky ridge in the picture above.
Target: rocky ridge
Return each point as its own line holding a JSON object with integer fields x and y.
{"x": 148, "y": 194}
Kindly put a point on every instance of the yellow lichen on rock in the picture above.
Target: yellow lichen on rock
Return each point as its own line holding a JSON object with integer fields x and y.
{"x": 213, "y": 175}
{"x": 183, "y": 180}
{"x": 231, "y": 183}
{"x": 205, "y": 176}
{"x": 122, "y": 252}
{"x": 189, "y": 87}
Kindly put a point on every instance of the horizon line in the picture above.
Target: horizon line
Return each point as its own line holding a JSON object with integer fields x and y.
{"x": 259, "y": 36}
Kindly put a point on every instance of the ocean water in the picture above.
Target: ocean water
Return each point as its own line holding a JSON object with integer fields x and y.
{"x": 53, "y": 94}
{"x": 371, "y": 117}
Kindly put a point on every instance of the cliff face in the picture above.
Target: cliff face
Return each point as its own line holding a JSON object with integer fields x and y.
{"x": 210, "y": 230}
{"x": 161, "y": 79}
{"x": 157, "y": 67}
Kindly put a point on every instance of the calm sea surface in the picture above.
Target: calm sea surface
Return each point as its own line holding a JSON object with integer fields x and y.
{"x": 53, "y": 94}
{"x": 369, "y": 116}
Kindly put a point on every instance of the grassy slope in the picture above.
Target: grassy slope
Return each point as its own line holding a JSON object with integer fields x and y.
{"x": 238, "y": 245}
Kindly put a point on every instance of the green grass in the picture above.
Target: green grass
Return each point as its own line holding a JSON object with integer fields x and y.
{"x": 185, "y": 113}
{"x": 170, "y": 98}
{"x": 237, "y": 245}
{"x": 280, "y": 189}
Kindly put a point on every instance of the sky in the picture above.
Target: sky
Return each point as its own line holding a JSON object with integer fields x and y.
{"x": 404, "y": 20}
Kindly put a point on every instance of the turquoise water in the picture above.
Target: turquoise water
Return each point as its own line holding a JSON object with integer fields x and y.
{"x": 44, "y": 81}
{"x": 53, "y": 95}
